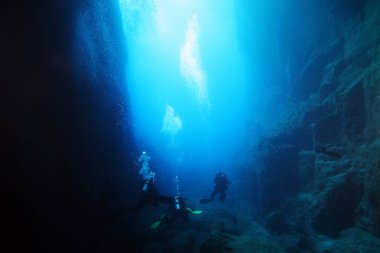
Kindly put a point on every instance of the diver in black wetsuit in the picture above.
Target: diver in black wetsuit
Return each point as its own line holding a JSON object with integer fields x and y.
{"x": 149, "y": 194}
{"x": 221, "y": 185}
{"x": 177, "y": 210}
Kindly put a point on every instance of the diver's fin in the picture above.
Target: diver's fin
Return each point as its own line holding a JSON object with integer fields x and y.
{"x": 205, "y": 201}
{"x": 156, "y": 224}
{"x": 193, "y": 212}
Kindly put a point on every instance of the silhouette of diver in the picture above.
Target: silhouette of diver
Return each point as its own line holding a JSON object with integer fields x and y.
{"x": 177, "y": 210}
{"x": 221, "y": 184}
{"x": 149, "y": 195}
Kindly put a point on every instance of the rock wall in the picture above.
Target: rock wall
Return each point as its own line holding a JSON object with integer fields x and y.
{"x": 318, "y": 163}
{"x": 66, "y": 145}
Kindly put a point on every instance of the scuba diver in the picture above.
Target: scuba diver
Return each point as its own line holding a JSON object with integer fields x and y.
{"x": 221, "y": 184}
{"x": 149, "y": 194}
{"x": 177, "y": 210}
{"x": 145, "y": 169}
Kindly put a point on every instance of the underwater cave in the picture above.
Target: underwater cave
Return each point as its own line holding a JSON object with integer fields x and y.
{"x": 191, "y": 126}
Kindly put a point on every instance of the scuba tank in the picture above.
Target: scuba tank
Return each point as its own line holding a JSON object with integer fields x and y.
{"x": 177, "y": 203}
{"x": 145, "y": 187}
{"x": 150, "y": 176}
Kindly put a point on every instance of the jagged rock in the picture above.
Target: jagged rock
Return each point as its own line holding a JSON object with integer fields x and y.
{"x": 216, "y": 215}
{"x": 373, "y": 185}
{"x": 328, "y": 130}
{"x": 154, "y": 247}
{"x": 276, "y": 221}
{"x": 211, "y": 246}
{"x": 257, "y": 240}
{"x": 244, "y": 222}
{"x": 279, "y": 177}
{"x": 312, "y": 75}
{"x": 350, "y": 240}
{"x": 327, "y": 168}
{"x": 330, "y": 80}
{"x": 183, "y": 241}
{"x": 306, "y": 168}
{"x": 304, "y": 244}
{"x": 351, "y": 104}
{"x": 337, "y": 202}
{"x": 216, "y": 243}
{"x": 226, "y": 226}
{"x": 315, "y": 112}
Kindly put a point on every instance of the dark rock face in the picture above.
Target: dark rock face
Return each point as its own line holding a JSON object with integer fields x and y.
{"x": 279, "y": 178}
{"x": 352, "y": 104}
{"x": 351, "y": 240}
{"x": 212, "y": 245}
{"x": 319, "y": 164}
{"x": 338, "y": 211}
{"x": 328, "y": 130}
{"x": 276, "y": 221}
{"x": 373, "y": 185}
{"x": 312, "y": 75}
{"x": 65, "y": 141}
{"x": 347, "y": 9}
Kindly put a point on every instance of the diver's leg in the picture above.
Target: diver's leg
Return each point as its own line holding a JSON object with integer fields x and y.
{"x": 139, "y": 206}
{"x": 185, "y": 216}
{"x": 222, "y": 195}
{"x": 213, "y": 194}
{"x": 164, "y": 199}
{"x": 169, "y": 218}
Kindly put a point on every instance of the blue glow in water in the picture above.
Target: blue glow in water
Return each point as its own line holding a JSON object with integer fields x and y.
{"x": 186, "y": 80}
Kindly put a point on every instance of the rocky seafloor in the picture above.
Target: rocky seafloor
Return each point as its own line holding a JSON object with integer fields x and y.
{"x": 228, "y": 226}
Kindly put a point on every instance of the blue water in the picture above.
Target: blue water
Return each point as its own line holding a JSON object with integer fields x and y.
{"x": 203, "y": 80}
{"x": 187, "y": 82}
{"x": 197, "y": 75}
